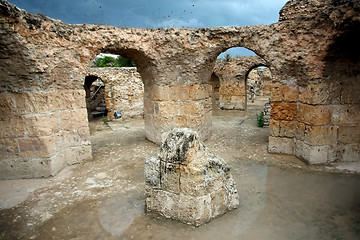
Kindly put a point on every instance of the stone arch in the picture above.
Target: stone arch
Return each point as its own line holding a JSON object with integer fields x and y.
{"x": 263, "y": 85}
{"x": 144, "y": 64}
{"x": 233, "y": 75}
{"x": 124, "y": 90}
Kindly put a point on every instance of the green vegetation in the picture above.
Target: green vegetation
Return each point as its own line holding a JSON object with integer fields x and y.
{"x": 105, "y": 120}
{"x": 228, "y": 57}
{"x": 260, "y": 119}
{"x": 108, "y": 61}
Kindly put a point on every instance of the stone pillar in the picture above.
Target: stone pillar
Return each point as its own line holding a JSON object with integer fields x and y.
{"x": 167, "y": 107}
{"x": 315, "y": 123}
{"x": 188, "y": 183}
{"x": 42, "y": 132}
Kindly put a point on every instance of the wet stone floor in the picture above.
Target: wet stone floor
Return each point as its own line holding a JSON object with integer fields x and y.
{"x": 280, "y": 196}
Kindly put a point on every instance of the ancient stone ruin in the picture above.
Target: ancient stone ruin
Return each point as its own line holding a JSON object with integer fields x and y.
{"x": 186, "y": 182}
{"x": 312, "y": 52}
{"x": 124, "y": 90}
{"x": 232, "y": 77}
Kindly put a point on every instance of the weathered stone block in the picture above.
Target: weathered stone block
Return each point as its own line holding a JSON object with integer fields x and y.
{"x": 166, "y": 108}
{"x": 184, "y": 181}
{"x": 283, "y": 111}
{"x": 345, "y": 114}
{"x": 291, "y": 93}
{"x": 350, "y": 152}
{"x": 66, "y": 99}
{"x": 84, "y": 134}
{"x": 281, "y": 145}
{"x": 276, "y": 93}
{"x": 232, "y": 88}
{"x": 9, "y": 148}
{"x": 350, "y": 93}
{"x": 321, "y": 135}
{"x": 152, "y": 175}
{"x": 312, "y": 154}
{"x": 15, "y": 168}
{"x": 198, "y": 92}
{"x": 42, "y": 125}
{"x": 349, "y": 134}
{"x": 184, "y": 208}
{"x": 67, "y": 138}
{"x": 170, "y": 177}
{"x": 12, "y": 126}
{"x": 192, "y": 108}
{"x": 37, "y": 147}
{"x": 31, "y": 103}
{"x": 181, "y": 92}
{"x": 320, "y": 94}
{"x": 274, "y": 128}
{"x": 292, "y": 129}
{"x": 7, "y": 104}
{"x": 70, "y": 119}
{"x": 232, "y": 102}
{"x": 314, "y": 115}
{"x": 149, "y": 107}
{"x": 158, "y": 93}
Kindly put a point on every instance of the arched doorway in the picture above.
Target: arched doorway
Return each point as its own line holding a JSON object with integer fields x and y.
{"x": 258, "y": 85}
{"x": 232, "y": 71}
{"x": 95, "y": 97}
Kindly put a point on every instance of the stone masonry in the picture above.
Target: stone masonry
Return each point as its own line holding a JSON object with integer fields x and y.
{"x": 186, "y": 182}
{"x": 313, "y": 54}
{"x": 233, "y": 85}
{"x": 124, "y": 90}
{"x": 261, "y": 79}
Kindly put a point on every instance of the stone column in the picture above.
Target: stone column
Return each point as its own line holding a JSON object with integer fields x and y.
{"x": 42, "y": 132}
{"x": 175, "y": 106}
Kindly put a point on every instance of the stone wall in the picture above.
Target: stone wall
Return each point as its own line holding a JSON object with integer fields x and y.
{"x": 124, "y": 90}
{"x": 315, "y": 108}
{"x": 233, "y": 85}
{"x": 42, "y": 132}
{"x": 313, "y": 54}
{"x": 168, "y": 107}
{"x": 260, "y": 79}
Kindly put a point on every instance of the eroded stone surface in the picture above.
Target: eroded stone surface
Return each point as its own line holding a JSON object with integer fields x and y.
{"x": 313, "y": 54}
{"x": 186, "y": 182}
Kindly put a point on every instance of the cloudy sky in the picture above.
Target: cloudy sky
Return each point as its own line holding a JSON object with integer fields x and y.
{"x": 158, "y": 13}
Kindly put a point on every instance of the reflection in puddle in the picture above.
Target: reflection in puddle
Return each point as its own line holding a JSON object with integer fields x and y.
{"x": 118, "y": 213}
{"x": 274, "y": 204}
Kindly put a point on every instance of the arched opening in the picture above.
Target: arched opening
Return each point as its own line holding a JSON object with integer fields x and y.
{"x": 124, "y": 87}
{"x": 258, "y": 84}
{"x": 233, "y": 68}
{"x": 215, "y": 83}
{"x": 95, "y": 97}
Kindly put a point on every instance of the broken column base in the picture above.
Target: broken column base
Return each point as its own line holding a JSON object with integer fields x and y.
{"x": 186, "y": 182}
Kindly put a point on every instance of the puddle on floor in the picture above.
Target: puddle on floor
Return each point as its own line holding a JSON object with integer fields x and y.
{"x": 274, "y": 204}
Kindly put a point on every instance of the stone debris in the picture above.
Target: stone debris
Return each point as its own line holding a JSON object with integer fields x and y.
{"x": 188, "y": 183}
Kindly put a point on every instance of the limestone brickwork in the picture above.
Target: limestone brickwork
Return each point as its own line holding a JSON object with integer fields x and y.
{"x": 186, "y": 182}
{"x": 233, "y": 85}
{"x": 261, "y": 80}
{"x": 41, "y": 133}
{"x": 124, "y": 90}
{"x": 168, "y": 107}
{"x": 313, "y": 54}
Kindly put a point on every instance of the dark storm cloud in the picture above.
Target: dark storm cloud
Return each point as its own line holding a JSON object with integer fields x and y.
{"x": 158, "y": 13}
